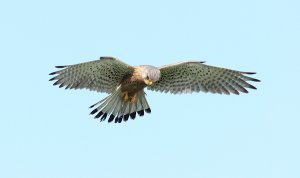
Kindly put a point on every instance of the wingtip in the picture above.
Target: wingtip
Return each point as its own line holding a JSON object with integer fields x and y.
{"x": 243, "y": 90}
{"x": 107, "y": 57}
{"x": 56, "y": 83}
{"x": 90, "y": 106}
{"x": 253, "y": 79}
{"x": 250, "y": 78}
{"x": 249, "y": 73}
{"x": 60, "y": 67}
{"x": 52, "y": 79}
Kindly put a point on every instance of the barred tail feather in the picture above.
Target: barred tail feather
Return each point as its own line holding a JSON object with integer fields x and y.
{"x": 118, "y": 110}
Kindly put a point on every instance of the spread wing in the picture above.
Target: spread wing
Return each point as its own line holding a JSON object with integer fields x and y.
{"x": 191, "y": 76}
{"x": 103, "y": 75}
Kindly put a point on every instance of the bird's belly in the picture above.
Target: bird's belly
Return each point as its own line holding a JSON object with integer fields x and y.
{"x": 132, "y": 87}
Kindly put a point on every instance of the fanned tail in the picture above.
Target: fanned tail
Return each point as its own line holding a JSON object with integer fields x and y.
{"x": 116, "y": 109}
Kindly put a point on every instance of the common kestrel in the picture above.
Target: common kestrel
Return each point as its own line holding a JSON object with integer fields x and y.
{"x": 126, "y": 83}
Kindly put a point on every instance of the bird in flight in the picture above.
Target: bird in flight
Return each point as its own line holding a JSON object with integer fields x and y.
{"x": 126, "y": 83}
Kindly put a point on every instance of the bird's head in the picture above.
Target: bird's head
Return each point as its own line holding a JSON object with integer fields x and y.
{"x": 150, "y": 74}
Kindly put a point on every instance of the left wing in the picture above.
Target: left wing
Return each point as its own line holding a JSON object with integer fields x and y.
{"x": 194, "y": 76}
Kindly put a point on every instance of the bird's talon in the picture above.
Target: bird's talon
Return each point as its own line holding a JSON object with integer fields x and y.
{"x": 133, "y": 99}
{"x": 125, "y": 96}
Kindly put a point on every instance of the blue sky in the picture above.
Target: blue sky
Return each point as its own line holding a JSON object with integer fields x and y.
{"x": 47, "y": 132}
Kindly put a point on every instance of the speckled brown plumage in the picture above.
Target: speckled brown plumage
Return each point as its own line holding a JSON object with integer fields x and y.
{"x": 133, "y": 83}
{"x": 126, "y": 83}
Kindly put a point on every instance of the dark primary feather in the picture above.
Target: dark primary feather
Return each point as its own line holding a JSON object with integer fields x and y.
{"x": 60, "y": 66}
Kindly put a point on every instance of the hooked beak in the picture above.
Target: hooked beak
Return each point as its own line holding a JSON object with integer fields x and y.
{"x": 148, "y": 82}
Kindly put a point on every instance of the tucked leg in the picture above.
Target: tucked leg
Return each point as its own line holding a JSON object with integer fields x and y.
{"x": 133, "y": 98}
{"x": 125, "y": 96}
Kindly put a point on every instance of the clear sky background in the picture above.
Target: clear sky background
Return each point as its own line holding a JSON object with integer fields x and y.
{"x": 47, "y": 132}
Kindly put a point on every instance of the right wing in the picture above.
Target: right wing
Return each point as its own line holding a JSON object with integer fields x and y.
{"x": 103, "y": 75}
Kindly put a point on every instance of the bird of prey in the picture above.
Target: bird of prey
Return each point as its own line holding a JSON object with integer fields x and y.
{"x": 126, "y": 83}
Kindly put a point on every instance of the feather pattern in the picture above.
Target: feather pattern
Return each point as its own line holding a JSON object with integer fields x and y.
{"x": 103, "y": 75}
{"x": 193, "y": 76}
{"x": 116, "y": 109}
{"x": 126, "y": 84}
